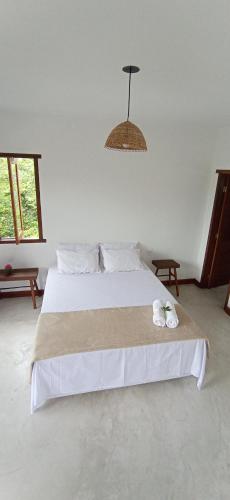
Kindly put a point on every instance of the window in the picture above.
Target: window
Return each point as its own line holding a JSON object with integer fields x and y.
{"x": 20, "y": 207}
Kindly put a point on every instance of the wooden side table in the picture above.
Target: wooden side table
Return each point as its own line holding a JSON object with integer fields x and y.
{"x": 29, "y": 274}
{"x": 168, "y": 264}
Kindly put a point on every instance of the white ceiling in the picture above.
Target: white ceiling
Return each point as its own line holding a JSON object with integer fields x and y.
{"x": 65, "y": 56}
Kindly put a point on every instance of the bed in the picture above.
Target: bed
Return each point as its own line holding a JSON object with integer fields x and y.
{"x": 107, "y": 368}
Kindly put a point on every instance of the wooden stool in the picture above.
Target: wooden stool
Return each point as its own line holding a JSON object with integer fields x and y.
{"x": 168, "y": 264}
{"x": 28, "y": 274}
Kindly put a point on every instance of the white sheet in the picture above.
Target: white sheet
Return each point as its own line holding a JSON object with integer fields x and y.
{"x": 75, "y": 292}
{"x": 98, "y": 370}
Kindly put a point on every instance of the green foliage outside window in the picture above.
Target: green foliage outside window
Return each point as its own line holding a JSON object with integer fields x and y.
{"x": 28, "y": 200}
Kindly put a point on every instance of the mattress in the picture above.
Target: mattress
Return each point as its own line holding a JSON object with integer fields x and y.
{"x": 110, "y": 368}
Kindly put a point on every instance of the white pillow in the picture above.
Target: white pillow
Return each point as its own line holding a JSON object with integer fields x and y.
{"x": 83, "y": 261}
{"x": 127, "y": 259}
{"x": 119, "y": 245}
{"x": 115, "y": 245}
{"x": 75, "y": 247}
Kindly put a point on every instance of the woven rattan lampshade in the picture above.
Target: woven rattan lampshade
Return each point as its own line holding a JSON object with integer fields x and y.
{"x": 126, "y": 136}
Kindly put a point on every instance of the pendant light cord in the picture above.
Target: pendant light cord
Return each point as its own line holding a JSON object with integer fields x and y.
{"x": 129, "y": 95}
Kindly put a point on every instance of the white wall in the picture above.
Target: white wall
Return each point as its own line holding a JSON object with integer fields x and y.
{"x": 90, "y": 194}
{"x": 220, "y": 160}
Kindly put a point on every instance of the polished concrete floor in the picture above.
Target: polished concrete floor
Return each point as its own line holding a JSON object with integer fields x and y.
{"x": 161, "y": 441}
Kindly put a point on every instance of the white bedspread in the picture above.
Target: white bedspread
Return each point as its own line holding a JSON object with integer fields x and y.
{"x": 76, "y": 292}
{"x": 93, "y": 371}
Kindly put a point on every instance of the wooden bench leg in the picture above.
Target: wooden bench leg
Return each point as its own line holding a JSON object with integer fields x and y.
{"x": 36, "y": 285}
{"x": 33, "y": 293}
{"x": 176, "y": 282}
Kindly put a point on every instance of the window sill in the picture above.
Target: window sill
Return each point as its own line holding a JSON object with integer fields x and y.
{"x": 9, "y": 241}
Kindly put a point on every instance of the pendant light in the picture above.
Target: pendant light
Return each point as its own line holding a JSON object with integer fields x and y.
{"x": 126, "y": 136}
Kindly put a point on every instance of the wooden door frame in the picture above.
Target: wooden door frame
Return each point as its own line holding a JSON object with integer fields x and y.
{"x": 226, "y": 306}
{"x": 217, "y": 211}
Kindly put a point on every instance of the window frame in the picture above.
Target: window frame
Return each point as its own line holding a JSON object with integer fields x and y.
{"x": 16, "y": 240}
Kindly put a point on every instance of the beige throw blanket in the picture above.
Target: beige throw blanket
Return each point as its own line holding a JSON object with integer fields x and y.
{"x": 74, "y": 332}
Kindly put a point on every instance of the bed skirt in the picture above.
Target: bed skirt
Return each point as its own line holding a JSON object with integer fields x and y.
{"x": 113, "y": 368}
